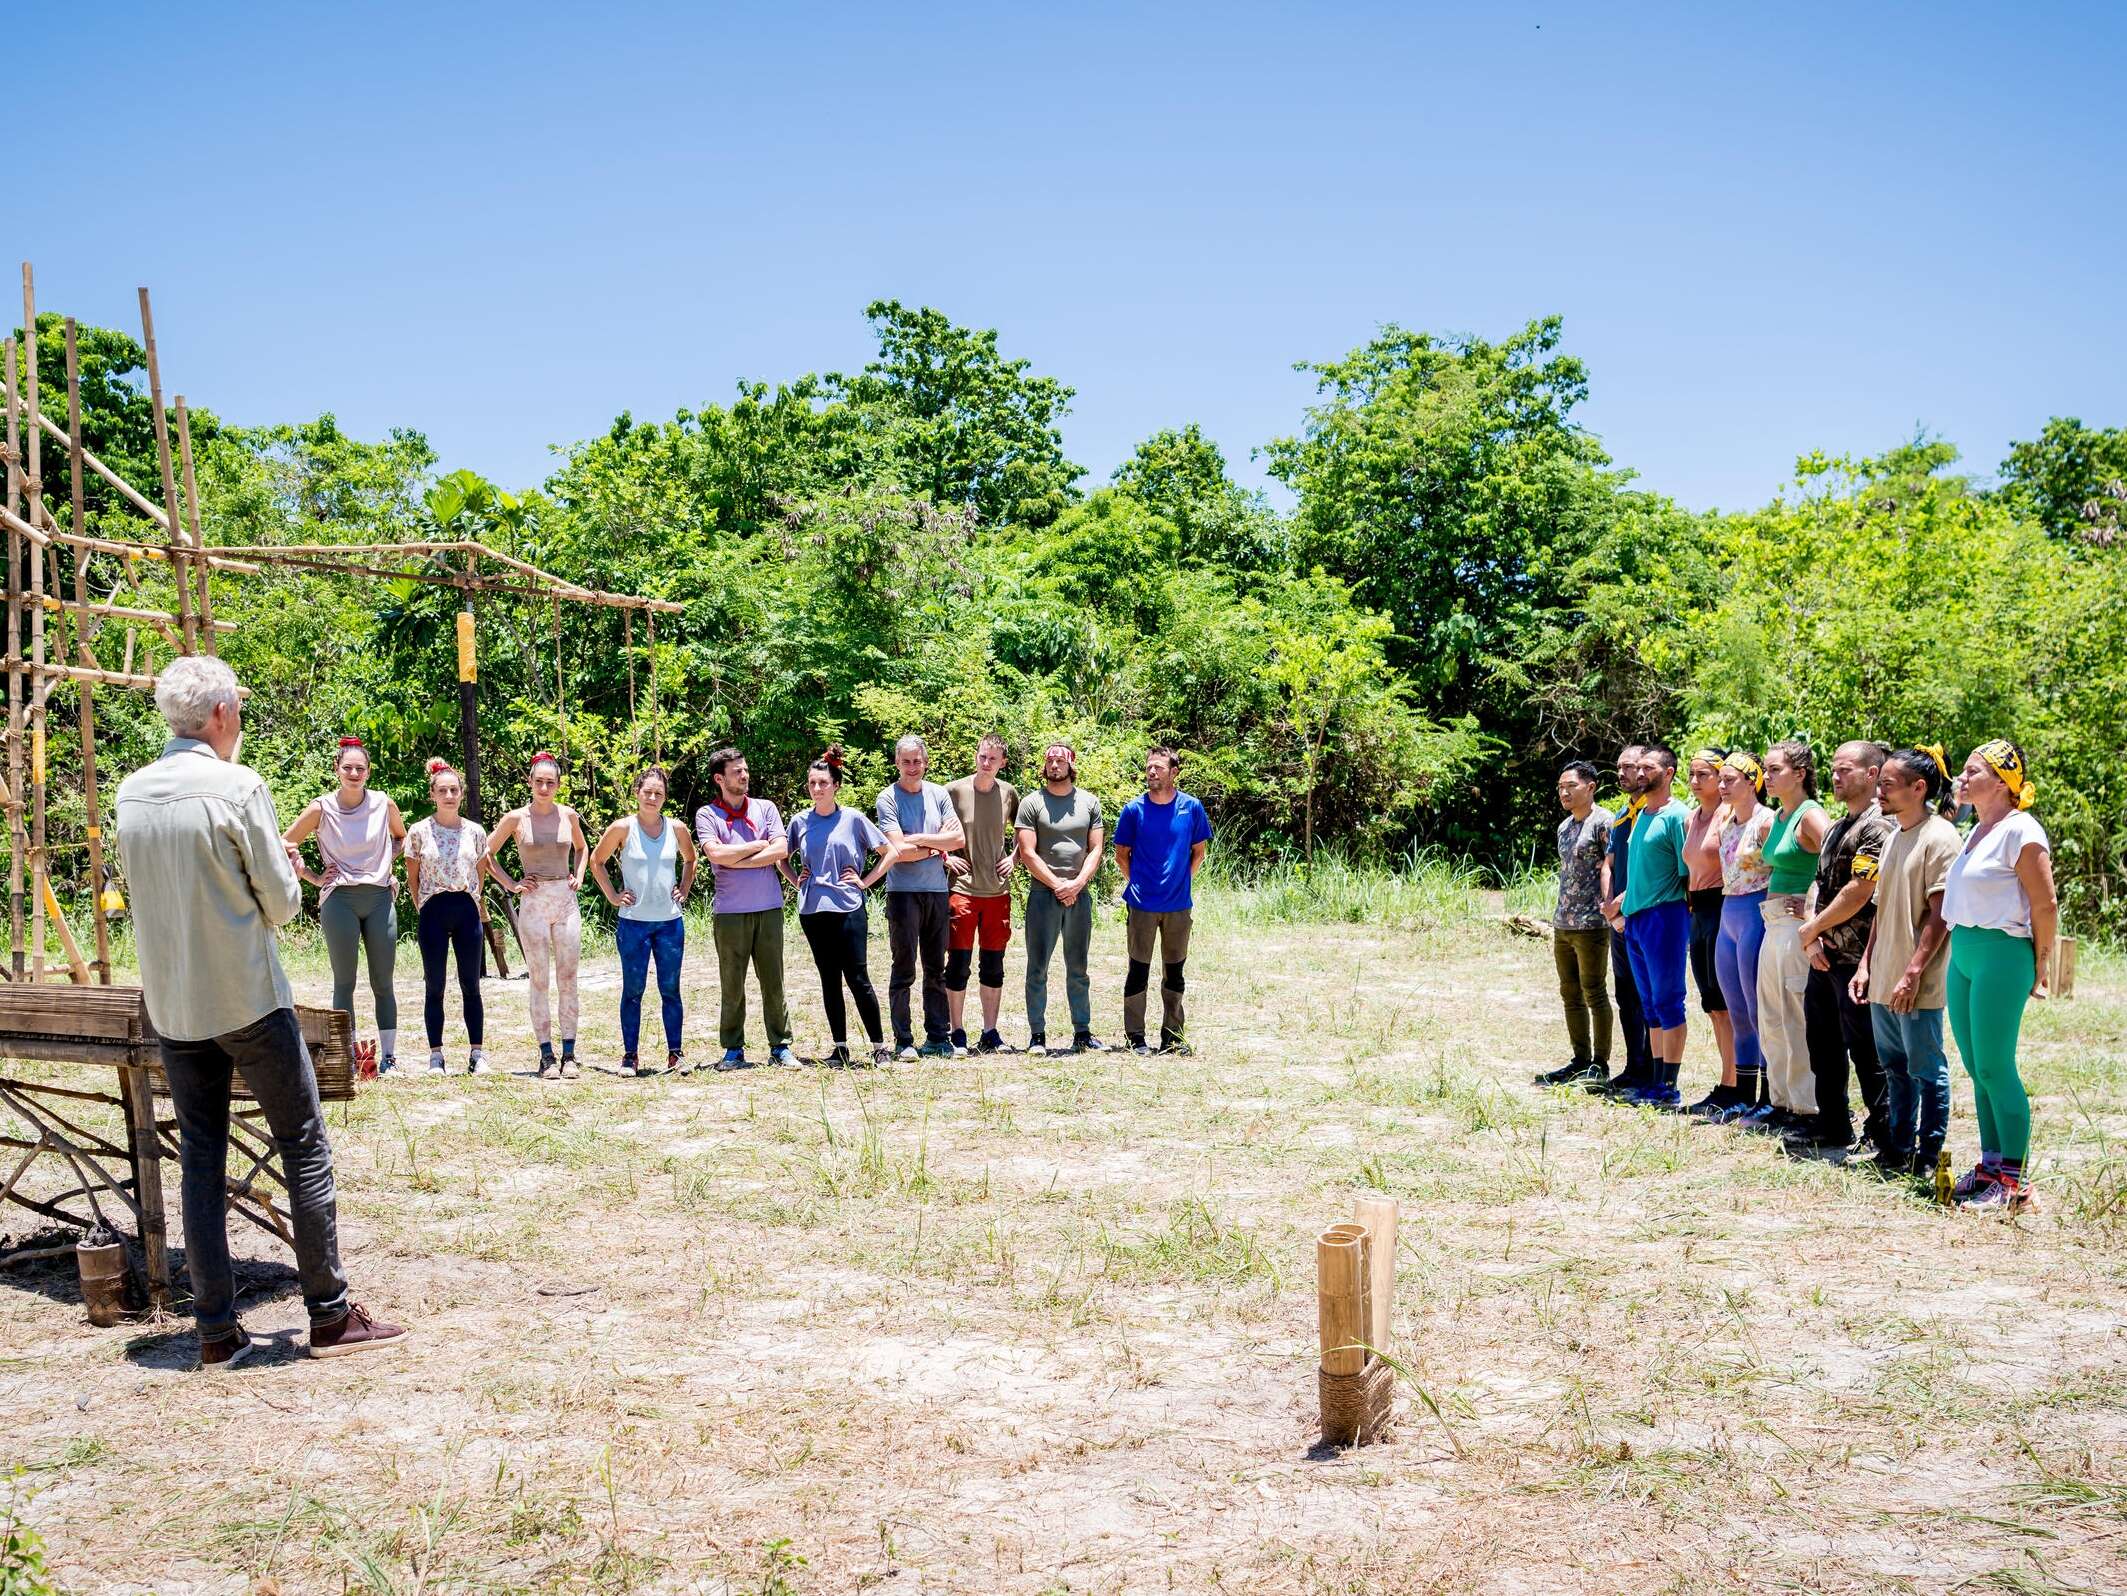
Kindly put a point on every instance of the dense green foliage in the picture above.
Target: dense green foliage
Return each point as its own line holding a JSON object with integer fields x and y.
{"x": 1466, "y": 592}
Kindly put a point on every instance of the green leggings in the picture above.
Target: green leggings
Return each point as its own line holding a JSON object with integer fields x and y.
{"x": 1990, "y": 980}
{"x": 366, "y": 919}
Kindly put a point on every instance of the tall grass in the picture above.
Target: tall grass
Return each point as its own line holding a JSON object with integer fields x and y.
{"x": 1422, "y": 890}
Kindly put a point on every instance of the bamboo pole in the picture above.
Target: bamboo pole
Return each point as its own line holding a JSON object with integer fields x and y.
{"x": 123, "y": 488}
{"x": 206, "y": 595}
{"x": 1378, "y": 1215}
{"x": 1341, "y": 1306}
{"x": 76, "y": 965}
{"x": 124, "y": 550}
{"x": 2064, "y": 967}
{"x": 33, "y": 505}
{"x": 122, "y": 612}
{"x": 81, "y": 673}
{"x": 86, "y": 691}
{"x": 16, "y": 842}
{"x": 172, "y": 523}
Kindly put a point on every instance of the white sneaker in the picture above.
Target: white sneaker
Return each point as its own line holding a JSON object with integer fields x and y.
{"x": 909, "y": 1055}
{"x": 477, "y": 1064}
{"x": 436, "y": 1066}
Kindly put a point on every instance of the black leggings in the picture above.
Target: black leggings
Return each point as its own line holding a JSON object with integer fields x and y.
{"x": 837, "y": 940}
{"x": 450, "y": 923}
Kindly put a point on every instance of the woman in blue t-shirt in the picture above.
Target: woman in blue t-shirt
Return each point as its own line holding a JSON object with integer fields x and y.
{"x": 828, "y": 846}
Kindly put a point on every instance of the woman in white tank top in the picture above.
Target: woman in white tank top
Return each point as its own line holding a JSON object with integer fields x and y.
{"x": 360, "y": 837}
{"x": 657, "y": 865}
{"x": 551, "y": 852}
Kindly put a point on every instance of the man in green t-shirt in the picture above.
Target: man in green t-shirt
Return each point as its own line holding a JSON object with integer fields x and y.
{"x": 1657, "y": 913}
{"x": 1060, "y": 840}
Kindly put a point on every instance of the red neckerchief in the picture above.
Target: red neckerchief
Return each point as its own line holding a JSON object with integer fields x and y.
{"x": 743, "y": 815}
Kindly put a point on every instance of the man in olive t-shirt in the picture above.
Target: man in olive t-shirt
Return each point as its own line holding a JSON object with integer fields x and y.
{"x": 1060, "y": 837}
{"x": 980, "y": 902}
{"x": 1903, "y": 971}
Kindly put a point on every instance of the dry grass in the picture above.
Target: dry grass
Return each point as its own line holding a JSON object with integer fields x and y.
{"x": 1031, "y": 1325}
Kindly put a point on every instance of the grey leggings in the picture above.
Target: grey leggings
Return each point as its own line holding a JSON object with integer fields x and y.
{"x": 365, "y": 918}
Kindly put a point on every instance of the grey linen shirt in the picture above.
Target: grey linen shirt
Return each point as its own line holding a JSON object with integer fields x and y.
{"x": 210, "y": 881}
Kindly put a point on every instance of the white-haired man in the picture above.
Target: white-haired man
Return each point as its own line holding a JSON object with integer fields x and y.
{"x": 919, "y": 815}
{"x": 210, "y": 880}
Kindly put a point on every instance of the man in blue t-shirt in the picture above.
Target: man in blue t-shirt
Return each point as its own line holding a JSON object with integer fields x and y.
{"x": 1160, "y": 840}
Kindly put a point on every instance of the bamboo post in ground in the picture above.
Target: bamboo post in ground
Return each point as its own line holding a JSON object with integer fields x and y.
{"x": 172, "y": 522}
{"x": 86, "y": 690}
{"x": 40, "y": 689}
{"x": 16, "y": 843}
{"x": 206, "y": 595}
{"x": 1341, "y": 1306}
{"x": 2064, "y": 967}
{"x": 1378, "y": 1215}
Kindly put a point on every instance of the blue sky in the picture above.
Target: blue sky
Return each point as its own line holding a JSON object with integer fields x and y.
{"x": 1769, "y": 229}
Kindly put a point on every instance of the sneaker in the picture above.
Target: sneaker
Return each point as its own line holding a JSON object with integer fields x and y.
{"x": 960, "y": 1047}
{"x": 628, "y": 1065}
{"x": 1755, "y": 1118}
{"x": 436, "y": 1066}
{"x": 353, "y": 1331}
{"x": 1656, "y": 1097}
{"x": 1710, "y": 1106}
{"x": 390, "y": 1063}
{"x": 477, "y": 1064}
{"x": 837, "y": 1057}
{"x": 1622, "y": 1084}
{"x": 225, "y": 1352}
{"x": 1921, "y": 1161}
{"x": 1087, "y": 1042}
{"x": 734, "y": 1059}
{"x": 1175, "y": 1047}
{"x": 936, "y": 1050}
{"x": 1138, "y": 1045}
{"x": 1573, "y": 1074}
{"x": 992, "y": 1042}
{"x": 2004, "y": 1194}
{"x": 882, "y": 1054}
{"x": 907, "y": 1053}
{"x": 783, "y": 1058}
{"x": 1038, "y": 1042}
{"x": 1971, "y": 1183}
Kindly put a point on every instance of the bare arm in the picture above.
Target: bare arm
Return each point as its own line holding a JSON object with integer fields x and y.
{"x": 2034, "y": 871}
{"x": 1847, "y": 902}
{"x": 690, "y": 862}
{"x": 396, "y": 823}
{"x": 1122, "y": 861}
{"x": 1033, "y": 861}
{"x": 413, "y": 875}
{"x": 889, "y": 856}
{"x": 579, "y": 849}
{"x": 491, "y": 861}
{"x": 1932, "y": 931}
{"x": 1196, "y": 857}
{"x": 1858, "y": 987}
{"x": 293, "y": 839}
{"x": 608, "y": 842}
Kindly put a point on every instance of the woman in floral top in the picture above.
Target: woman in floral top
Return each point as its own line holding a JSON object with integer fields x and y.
{"x": 444, "y": 854}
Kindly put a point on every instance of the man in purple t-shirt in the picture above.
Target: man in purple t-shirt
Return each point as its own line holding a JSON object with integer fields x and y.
{"x": 742, "y": 838}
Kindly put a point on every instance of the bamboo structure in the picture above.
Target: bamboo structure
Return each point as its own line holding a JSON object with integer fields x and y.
{"x": 17, "y": 843}
{"x": 1355, "y": 1286}
{"x": 2064, "y": 967}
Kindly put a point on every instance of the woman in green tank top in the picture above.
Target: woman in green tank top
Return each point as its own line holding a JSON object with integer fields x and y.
{"x": 1783, "y": 968}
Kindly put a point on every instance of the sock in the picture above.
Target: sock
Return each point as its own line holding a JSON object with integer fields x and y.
{"x": 388, "y": 1043}
{"x": 2011, "y": 1169}
{"x": 568, "y": 1047}
{"x": 546, "y": 1052}
{"x": 1989, "y": 1160}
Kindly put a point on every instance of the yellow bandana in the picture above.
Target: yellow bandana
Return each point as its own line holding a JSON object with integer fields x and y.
{"x": 2003, "y": 759}
{"x": 1940, "y": 755}
{"x": 1747, "y": 766}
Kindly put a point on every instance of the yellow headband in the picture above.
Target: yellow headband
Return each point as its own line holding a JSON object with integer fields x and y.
{"x": 1940, "y": 755}
{"x": 2003, "y": 759}
{"x": 1747, "y": 765}
{"x": 1712, "y": 756}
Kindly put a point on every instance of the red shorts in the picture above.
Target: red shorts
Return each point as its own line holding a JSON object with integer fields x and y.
{"x": 990, "y": 918}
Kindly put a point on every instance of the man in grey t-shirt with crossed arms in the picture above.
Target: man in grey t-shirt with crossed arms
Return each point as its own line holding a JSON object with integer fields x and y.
{"x": 1059, "y": 830}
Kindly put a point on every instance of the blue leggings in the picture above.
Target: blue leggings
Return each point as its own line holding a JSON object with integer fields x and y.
{"x": 1735, "y": 964}
{"x": 640, "y": 941}
{"x": 1658, "y": 941}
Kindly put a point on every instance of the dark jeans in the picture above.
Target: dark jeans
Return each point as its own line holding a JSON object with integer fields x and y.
{"x": 450, "y": 925}
{"x": 640, "y": 941}
{"x": 1049, "y": 922}
{"x": 270, "y": 1055}
{"x": 1631, "y": 1019}
{"x": 838, "y": 940}
{"x": 917, "y": 924}
{"x": 1837, "y": 1029}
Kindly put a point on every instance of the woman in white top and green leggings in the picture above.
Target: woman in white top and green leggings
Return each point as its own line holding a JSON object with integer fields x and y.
{"x": 2000, "y": 907}
{"x": 360, "y": 836}
{"x": 657, "y": 865}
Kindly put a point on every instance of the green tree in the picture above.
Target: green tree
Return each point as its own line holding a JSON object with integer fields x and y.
{"x": 1181, "y": 476}
{"x": 2071, "y": 480}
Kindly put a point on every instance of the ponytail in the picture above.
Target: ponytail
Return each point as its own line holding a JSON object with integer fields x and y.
{"x": 1930, "y": 766}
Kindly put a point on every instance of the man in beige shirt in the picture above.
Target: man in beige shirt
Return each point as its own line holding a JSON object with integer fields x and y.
{"x": 210, "y": 880}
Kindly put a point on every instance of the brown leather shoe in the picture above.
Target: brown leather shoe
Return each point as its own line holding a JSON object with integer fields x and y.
{"x": 355, "y": 1331}
{"x": 225, "y": 1352}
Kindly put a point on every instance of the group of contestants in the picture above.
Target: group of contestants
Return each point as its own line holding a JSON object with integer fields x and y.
{"x": 1822, "y": 949}
{"x": 948, "y": 855}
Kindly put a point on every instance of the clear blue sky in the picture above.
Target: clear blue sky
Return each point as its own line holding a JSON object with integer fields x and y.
{"x": 1815, "y": 226}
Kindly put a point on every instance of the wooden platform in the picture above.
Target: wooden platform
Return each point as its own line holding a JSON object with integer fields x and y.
{"x": 107, "y": 1027}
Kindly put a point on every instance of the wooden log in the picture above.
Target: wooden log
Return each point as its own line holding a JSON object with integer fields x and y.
{"x": 1378, "y": 1215}
{"x": 173, "y": 524}
{"x": 11, "y": 518}
{"x": 1341, "y": 1305}
{"x": 202, "y": 573}
{"x": 124, "y": 489}
{"x": 34, "y": 512}
{"x": 123, "y": 612}
{"x": 146, "y": 1157}
{"x": 2064, "y": 967}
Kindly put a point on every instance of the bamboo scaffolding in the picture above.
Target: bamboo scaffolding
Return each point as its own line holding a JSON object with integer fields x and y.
{"x": 76, "y": 965}
{"x": 121, "y": 612}
{"x": 86, "y": 691}
{"x": 33, "y": 503}
{"x": 124, "y": 489}
{"x": 200, "y": 568}
{"x": 123, "y": 550}
{"x": 16, "y": 842}
{"x": 317, "y": 555}
{"x": 82, "y": 673}
{"x": 172, "y": 522}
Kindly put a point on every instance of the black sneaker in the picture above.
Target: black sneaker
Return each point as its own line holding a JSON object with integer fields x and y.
{"x": 1572, "y": 1074}
{"x": 1087, "y": 1042}
{"x": 1175, "y": 1046}
{"x": 1711, "y": 1104}
{"x": 1038, "y": 1042}
{"x": 937, "y": 1050}
{"x": 959, "y": 1044}
{"x": 225, "y": 1352}
{"x": 1138, "y": 1045}
{"x": 992, "y": 1042}
{"x": 1622, "y": 1084}
{"x": 837, "y": 1058}
{"x": 627, "y": 1065}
